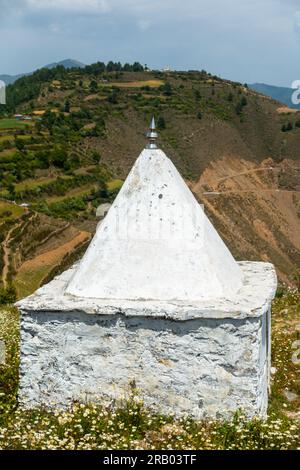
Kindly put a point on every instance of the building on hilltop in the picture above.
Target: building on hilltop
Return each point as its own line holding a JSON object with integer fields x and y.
{"x": 157, "y": 300}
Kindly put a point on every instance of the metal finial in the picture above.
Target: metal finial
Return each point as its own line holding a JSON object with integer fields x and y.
{"x": 152, "y": 135}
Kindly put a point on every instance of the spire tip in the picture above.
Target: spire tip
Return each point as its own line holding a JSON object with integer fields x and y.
{"x": 152, "y": 135}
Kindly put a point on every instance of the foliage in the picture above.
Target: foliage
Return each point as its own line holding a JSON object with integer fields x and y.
{"x": 161, "y": 123}
{"x": 287, "y": 127}
{"x": 167, "y": 89}
{"x": 240, "y": 105}
{"x": 8, "y": 295}
{"x": 9, "y": 372}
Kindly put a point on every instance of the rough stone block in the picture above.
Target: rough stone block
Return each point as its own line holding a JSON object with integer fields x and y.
{"x": 194, "y": 358}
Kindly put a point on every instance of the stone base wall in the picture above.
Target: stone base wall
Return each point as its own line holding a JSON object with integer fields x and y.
{"x": 200, "y": 367}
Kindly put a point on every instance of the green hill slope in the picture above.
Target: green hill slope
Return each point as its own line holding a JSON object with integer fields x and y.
{"x": 87, "y": 126}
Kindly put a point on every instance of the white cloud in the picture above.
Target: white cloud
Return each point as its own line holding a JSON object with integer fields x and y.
{"x": 254, "y": 40}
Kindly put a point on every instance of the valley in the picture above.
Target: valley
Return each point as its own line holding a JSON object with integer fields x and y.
{"x": 80, "y": 131}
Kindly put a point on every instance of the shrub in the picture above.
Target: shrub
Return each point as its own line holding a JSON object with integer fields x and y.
{"x": 167, "y": 89}
{"x": 8, "y": 295}
{"x": 161, "y": 124}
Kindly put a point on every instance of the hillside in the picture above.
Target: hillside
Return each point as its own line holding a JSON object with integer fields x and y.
{"x": 67, "y": 63}
{"x": 83, "y": 129}
{"x": 282, "y": 94}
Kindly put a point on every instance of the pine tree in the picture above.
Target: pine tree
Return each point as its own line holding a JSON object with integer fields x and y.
{"x": 167, "y": 89}
{"x": 161, "y": 124}
{"x": 67, "y": 106}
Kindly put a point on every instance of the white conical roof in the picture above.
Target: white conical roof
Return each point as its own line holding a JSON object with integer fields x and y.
{"x": 156, "y": 243}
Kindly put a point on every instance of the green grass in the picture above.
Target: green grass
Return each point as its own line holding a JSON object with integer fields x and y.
{"x": 129, "y": 424}
{"x": 114, "y": 184}
{"x": 12, "y": 124}
{"x": 8, "y": 152}
{"x": 6, "y": 138}
{"x": 11, "y": 138}
{"x": 34, "y": 183}
{"x": 9, "y": 211}
{"x": 135, "y": 84}
{"x": 26, "y": 282}
{"x": 77, "y": 192}
{"x": 24, "y": 137}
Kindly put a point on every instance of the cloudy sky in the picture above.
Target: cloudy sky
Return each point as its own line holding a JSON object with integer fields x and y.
{"x": 245, "y": 40}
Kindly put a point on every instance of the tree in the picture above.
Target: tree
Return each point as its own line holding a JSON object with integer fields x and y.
{"x": 67, "y": 106}
{"x": 113, "y": 97}
{"x": 93, "y": 86}
{"x": 167, "y": 89}
{"x": 11, "y": 190}
{"x": 96, "y": 156}
{"x": 241, "y": 104}
{"x": 59, "y": 158}
{"x": 239, "y": 108}
{"x": 43, "y": 159}
{"x": 199, "y": 115}
{"x": 244, "y": 101}
{"x": 20, "y": 145}
{"x": 197, "y": 95}
{"x": 161, "y": 124}
{"x": 48, "y": 119}
{"x": 8, "y": 295}
{"x": 137, "y": 67}
{"x": 110, "y": 67}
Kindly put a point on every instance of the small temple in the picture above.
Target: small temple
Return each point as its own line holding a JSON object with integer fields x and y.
{"x": 157, "y": 300}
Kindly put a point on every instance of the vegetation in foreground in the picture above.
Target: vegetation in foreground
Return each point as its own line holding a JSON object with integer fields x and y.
{"x": 130, "y": 426}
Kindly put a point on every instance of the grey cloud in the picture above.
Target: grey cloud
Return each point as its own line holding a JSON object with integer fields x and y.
{"x": 255, "y": 40}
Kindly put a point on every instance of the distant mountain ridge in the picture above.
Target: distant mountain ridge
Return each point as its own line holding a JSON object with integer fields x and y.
{"x": 282, "y": 94}
{"x": 67, "y": 63}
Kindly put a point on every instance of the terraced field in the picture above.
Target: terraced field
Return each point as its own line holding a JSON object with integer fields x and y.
{"x": 88, "y": 127}
{"x": 33, "y": 272}
{"x": 12, "y": 124}
{"x": 9, "y": 211}
{"x": 33, "y": 245}
{"x": 137, "y": 84}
